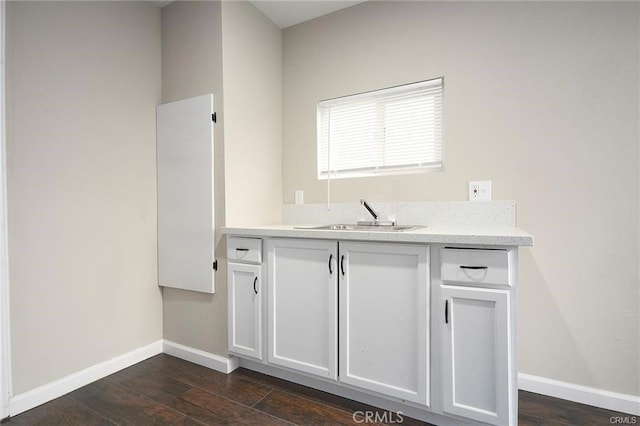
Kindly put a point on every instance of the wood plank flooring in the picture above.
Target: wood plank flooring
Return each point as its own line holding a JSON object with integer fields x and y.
{"x": 164, "y": 390}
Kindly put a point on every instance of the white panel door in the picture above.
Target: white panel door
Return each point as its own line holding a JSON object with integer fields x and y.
{"x": 244, "y": 287}
{"x": 185, "y": 194}
{"x": 302, "y": 308}
{"x": 384, "y": 318}
{"x": 476, "y": 353}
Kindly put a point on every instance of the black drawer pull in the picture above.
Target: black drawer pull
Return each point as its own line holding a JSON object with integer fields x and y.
{"x": 242, "y": 249}
{"x": 473, "y": 267}
{"x": 446, "y": 311}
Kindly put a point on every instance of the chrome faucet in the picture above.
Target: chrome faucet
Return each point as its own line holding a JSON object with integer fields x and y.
{"x": 375, "y": 216}
{"x": 368, "y": 207}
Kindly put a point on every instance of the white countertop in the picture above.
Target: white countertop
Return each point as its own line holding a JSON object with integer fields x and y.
{"x": 477, "y": 235}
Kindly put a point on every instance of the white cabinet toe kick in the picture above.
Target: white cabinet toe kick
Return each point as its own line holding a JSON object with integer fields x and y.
{"x": 422, "y": 330}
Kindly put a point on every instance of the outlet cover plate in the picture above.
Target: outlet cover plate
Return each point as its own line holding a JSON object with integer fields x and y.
{"x": 480, "y": 190}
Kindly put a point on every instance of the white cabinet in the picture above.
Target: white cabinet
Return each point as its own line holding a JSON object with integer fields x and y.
{"x": 384, "y": 318}
{"x": 477, "y": 356}
{"x": 302, "y": 305}
{"x": 245, "y": 296}
{"x": 427, "y": 327}
{"x": 245, "y": 310}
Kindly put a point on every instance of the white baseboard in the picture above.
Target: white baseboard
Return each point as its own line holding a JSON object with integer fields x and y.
{"x": 20, "y": 403}
{"x": 197, "y": 356}
{"x": 45, "y": 393}
{"x": 582, "y": 394}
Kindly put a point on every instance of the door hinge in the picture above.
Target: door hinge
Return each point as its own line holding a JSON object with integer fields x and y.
{"x": 214, "y": 117}
{"x": 215, "y": 265}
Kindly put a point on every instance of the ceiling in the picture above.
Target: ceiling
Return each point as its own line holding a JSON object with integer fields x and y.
{"x": 286, "y": 13}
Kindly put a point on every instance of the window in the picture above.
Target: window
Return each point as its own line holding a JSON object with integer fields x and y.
{"x": 389, "y": 131}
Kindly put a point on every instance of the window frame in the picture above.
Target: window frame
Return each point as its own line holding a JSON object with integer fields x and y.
{"x": 431, "y": 90}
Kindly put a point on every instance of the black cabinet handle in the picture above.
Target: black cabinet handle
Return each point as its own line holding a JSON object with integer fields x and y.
{"x": 342, "y": 264}
{"x": 446, "y": 311}
{"x": 330, "y": 259}
{"x": 255, "y": 281}
{"x": 473, "y": 267}
{"x": 242, "y": 249}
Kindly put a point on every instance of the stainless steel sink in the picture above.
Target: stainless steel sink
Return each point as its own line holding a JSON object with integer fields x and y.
{"x": 356, "y": 227}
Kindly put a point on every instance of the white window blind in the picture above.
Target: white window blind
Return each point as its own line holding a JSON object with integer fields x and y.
{"x": 389, "y": 131}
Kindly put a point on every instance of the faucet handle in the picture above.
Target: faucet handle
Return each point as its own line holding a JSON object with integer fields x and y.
{"x": 369, "y": 209}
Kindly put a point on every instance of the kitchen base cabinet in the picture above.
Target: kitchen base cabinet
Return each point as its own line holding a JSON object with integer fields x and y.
{"x": 479, "y": 361}
{"x": 245, "y": 296}
{"x": 476, "y": 354}
{"x": 245, "y": 310}
{"x": 303, "y": 305}
{"x": 384, "y": 319}
{"x": 425, "y": 330}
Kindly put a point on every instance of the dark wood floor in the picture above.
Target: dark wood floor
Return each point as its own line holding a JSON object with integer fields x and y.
{"x": 164, "y": 390}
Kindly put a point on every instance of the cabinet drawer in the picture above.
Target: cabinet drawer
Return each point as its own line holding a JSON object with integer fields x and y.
{"x": 476, "y": 266}
{"x": 244, "y": 249}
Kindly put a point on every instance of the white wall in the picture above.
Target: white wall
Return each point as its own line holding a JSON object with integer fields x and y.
{"x": 252, "y": 62}
{"x": 542, "y": 99}
{"x": 233, "y": 51}
{"x": 192, "y": 66}
{"x": 5, "y": 363}
{"x": 83, "y": 79}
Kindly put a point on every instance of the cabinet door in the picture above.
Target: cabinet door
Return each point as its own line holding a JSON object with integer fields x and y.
{"x": 244, "y": 286}
{"x": 384, "y": 319}
{"x": 476, "y": 353}
{"x": 302, "y": 307}
{"x": 185, "y": 194}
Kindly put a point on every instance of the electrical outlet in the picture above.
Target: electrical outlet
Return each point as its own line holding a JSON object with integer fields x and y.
{"x": 299, "y": 196}
{"x": 480, "y": 190}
